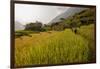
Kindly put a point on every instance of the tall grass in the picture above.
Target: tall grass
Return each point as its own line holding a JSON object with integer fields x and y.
{"x": 51, "y": 48}
{"x": 88, "y": 32}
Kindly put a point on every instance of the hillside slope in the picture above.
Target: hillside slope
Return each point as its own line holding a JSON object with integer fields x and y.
{"x": 70, "y": 12}
{"x": 19, "y": 26}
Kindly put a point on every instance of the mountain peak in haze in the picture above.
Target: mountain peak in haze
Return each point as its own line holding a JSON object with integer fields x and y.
{"x": 19, "y": 26}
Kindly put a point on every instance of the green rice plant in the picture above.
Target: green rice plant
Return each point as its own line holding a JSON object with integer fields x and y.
{"x": 55, "y": 48}
{"x": 88, "y": 32}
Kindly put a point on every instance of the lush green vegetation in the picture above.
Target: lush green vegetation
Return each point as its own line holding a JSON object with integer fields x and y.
{"x": 20, "y": 33}
{"x": 88, "y": 33}
{"x": 85, "y": 17}
{"x": 57, "y": 43}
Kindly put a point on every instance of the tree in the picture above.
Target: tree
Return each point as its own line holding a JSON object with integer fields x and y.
{"x": 62, "y": 19}
{"x": 37, "y": 26}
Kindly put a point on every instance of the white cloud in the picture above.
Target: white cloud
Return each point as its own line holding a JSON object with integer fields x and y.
{"x": 25, "y": 13}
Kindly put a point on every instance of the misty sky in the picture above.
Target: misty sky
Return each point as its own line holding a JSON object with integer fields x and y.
{"x": 25, "y": 13}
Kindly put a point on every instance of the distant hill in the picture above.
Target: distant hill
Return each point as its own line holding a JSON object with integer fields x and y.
{"x": 19, "y": 26}
{"x": 70, "y": 12}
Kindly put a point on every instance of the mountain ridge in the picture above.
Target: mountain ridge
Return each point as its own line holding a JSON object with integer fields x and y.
{"x": 19, "y": 26}
{"x": 71, "y": 11}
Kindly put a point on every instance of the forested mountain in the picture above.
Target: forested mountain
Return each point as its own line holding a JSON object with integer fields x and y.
{"x": 70, "y": 12}
{"x": 84, "y": 17}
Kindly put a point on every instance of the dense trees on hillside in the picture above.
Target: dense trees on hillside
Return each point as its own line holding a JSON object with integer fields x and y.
{"x": 85, "y": 17}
